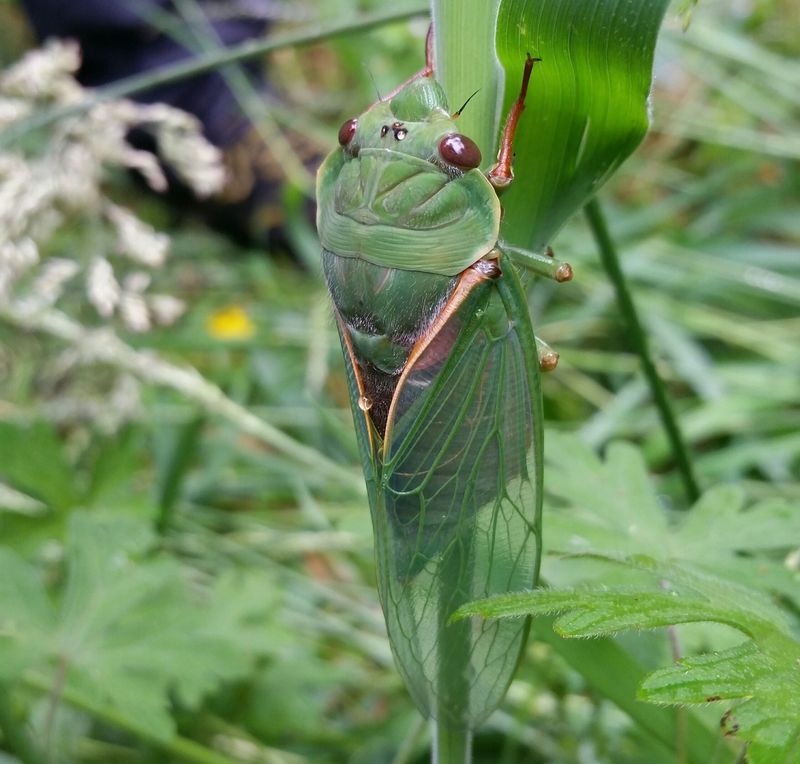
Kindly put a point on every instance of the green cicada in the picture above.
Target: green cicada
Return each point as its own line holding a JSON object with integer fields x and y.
{"x": 443, "y": 374}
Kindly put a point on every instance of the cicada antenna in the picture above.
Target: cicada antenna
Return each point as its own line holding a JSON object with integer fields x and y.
{"x": 457, "y": 114}
{"x": 374, "y": 83}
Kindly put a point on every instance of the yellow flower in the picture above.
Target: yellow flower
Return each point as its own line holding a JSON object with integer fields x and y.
{"x": 230, "y": 323}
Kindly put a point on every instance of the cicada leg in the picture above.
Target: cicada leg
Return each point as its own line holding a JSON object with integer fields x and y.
{"x": 544, "y": 265}
{"x": 501, "y": 175}
{"x": 548, "y": 358}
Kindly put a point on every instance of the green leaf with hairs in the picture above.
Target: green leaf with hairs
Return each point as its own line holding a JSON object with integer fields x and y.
{"x": 129, "y": 631}
{"x": 761, "y": 674}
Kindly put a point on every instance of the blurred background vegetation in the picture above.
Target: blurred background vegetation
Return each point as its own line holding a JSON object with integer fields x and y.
{"x": 246, "y": 626}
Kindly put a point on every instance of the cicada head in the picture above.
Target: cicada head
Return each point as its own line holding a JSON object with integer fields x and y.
{"x": 415, "y": 122}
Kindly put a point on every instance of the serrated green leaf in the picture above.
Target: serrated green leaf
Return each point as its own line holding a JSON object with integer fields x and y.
{"x": 770, "y": 720}
{"x": 614, "y": 498}
{"x": 707, "y": 678}
{"x": 765, "y": 670}
{"x": 130, "y": 630}
{"x": 26, "y": 616}
{"x": 615, "y": 612}
{"x": 721, "y": 515}
{"x": 757, "y": 614}
{"x": 103, "y": 582}
{"x": 709, "y": 559}
{"x": 598, "y": 612}
{"x": 32, "y": 460}
{"x": 610, "y": 507}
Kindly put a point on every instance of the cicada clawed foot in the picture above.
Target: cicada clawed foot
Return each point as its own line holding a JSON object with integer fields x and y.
{"x": 548, "y": 358}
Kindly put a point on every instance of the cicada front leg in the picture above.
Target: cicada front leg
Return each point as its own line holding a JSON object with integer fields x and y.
{"x": 544, "y": 265}
{"x": 501, "y": 175}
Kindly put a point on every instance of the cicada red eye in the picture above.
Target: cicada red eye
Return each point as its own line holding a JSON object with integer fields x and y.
{"x": 347, "y": 131}
{"x": 460, "y": 151}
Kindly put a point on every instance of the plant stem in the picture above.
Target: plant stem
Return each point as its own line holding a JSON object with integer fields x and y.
{"x": 451, "y": 745}
{"x": 610, "y": 260}
{"x": 102, "y": 346}
{"x": 466, "y": 61}
{"x": 452, "y": 738}
{"x": 17, "y": 740}
{"x": 198, "y": 65}
{"x": 681, "y": 714}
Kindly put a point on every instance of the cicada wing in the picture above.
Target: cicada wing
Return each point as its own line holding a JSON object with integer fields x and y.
{"x": 368, "y": 439}
{"x": 457, "y": 510}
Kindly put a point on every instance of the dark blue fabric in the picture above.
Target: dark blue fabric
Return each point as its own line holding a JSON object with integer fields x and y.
{"x": 117, "y": 42}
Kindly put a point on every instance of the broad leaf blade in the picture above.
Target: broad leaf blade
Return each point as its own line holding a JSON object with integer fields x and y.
{"x": 26, "y": 616}
{"x": 587, "y": 104}
{"x": 131, "y": 632}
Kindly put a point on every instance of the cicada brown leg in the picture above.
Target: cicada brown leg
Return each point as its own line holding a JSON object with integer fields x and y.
{"x": 542, "y": 265}
{"x": 501, "y": 175}
{"x": 548, "y": 358}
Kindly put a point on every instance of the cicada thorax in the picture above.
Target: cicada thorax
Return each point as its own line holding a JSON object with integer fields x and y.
{"x": 403, "y": 212}
{"x": 404, "y": 190}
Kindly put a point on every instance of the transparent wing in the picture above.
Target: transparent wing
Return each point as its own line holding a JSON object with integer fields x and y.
{"x": 456, "y": 509}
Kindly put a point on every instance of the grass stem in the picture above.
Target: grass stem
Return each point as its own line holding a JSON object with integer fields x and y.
{"x": 452, "y": 738}
{"x": 638, "y": 338}
{"x": 451, "y": 745}
{"x": 190, "y": 67}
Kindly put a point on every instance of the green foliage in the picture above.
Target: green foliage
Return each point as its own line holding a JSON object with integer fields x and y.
{"x": 704, "y": 216}
{"x": 127, "y": 630}
{"x": 33, "y": 462}
{"x": 703, "y": 564}
{"x": 610, "y": 507}
{"x": 577, "y": 131}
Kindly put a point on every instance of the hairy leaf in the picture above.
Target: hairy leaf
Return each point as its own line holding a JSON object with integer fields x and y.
{"x": 612, "y": 508}
{"x": 763, "y": 671}
{"x": 129, "y": 630}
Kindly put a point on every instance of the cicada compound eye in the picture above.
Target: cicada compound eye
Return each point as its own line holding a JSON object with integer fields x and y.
{"x": 460, "y": 151}
{"x": 347, "y": 131}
